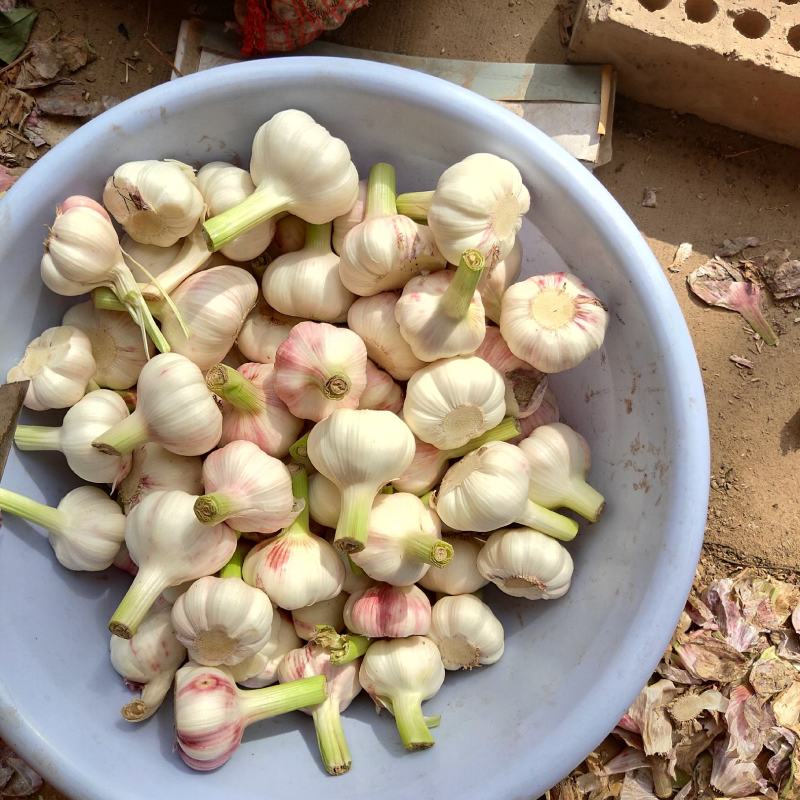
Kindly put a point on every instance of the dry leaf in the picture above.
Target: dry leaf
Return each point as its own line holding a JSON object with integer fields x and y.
{"x": 53, "y": 59}
{"x": 766, "y": 603}
{"x": 650, "y": 714}
{"x": 748, "y": 724}
{"x": 17, "y": 779}
{"x": 15, "y": 106}
{"x": 626, "y": 760}
{"x": 786, "y": 706}
{"x": 735, "y": 778}
{"x": 770, "y": 674}
{"x": 732, "y": 247}
{"x": 690, "y": 706}
{"x": 710, "y": 658}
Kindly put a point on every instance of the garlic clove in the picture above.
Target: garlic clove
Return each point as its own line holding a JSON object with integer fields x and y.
{"x": 261, "y": 669}
{"x": 381, "y": 393}
{"x": 344, "y": 223}
{"x": 326, "y": 612}
{"x": 495, "y": 280}
{"x": 262, "y": 332}
{"x": 385, "y": 611}
{"x": 461, "y": 575}
{"x": 466, "y": 632}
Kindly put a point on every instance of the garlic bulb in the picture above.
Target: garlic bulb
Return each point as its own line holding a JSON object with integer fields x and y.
{"x": 525, "y": 563}
{"x": 344, "y": 223}
{"x": 251, "y": 408}
{"x": 170, "y": 547}
{"x": 404, "y": 540}
{"x": 326, "y": 612}
{"x": 150, "y": 659}
{"x": 297, "y": 166}
{"x": 157, "y": 202}
{"x": 441, "y": 315}
{"x": 59, "y": 364}
{"x": 373, "y": 319}
{"x": 324, "y": 500}
{"x": 156, "y": 260}
{"x": 488, "y": 489}
{"x": 382, "y": 393}
{"x": 466, "y": 632}
{"x": 306, "y": 283}
{"x": 290, "y": 235}
{"x": 355, "y": 579}
{"x": 525, "y": 386}
{"x": 122, "y": 560}
{"x": 385, "y": 611}
{"x": 359, "y": 451}
{"x": 262, "y": 332}
{"x": 341, "y": 682}
{"x": 547, "y": 412}
{"x": 400, "y": 675}
{"x": 116, "y": 344}
{"x": 320, "y": 368}
{"x": 224, "y": 186}
{"x": 461, "y": 575}
{"x": 154, "y": 469}
{"x": 173, "y": 407}
{"x": 261, "y": 669}
{"x": 452, "y": 401}
{"x": 211, "y": 713}
{"x": 559, "y": 460}
{"x": 552, "y": 321}
{"x": 385, "y": 249}
{"x": 85, "y": 530}
{"x": 495, "y": 280}
{"x": 295, "y": 568}
{"x": 246, "y": 488}
{"x": 92, "y": 415}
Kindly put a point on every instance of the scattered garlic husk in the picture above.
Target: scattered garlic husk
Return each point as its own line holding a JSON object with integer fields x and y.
{"x": 326, "y": 612}
{"x": 150, "y": 658}
{"x": 157, "y": 202}
{"x": 251, "y": 408}
{"x": 495, "y": 280}
{"x": 373, "y": 319}
{"x": 91, "y": 416}
{"x": 59, "y": 364}
{"x": 262, "y": 333}
{"x": 441, "y": 315}
{"x": 552, "y": 322}
{"x": 344, "y": 223}
{"x": 381, "y": 393}
{"x": 385, "y": 249}
{"x": 404, "y": 540}
{"x": 488, "y": 489}
{"x": 342, "y": 686}
{"x": 155, "y": 469}
{"x": 461, "y": 575}
{"x": 246, "y": 488}
{"x": 324, "y": 500}
{"x": 296, "y": 568}
{"x": 384, "y": 611}
{"x": 359, "y": 451}
{"x": 224, "y": 186}
{"x": 559, "y": 461}
{"x": 173, "y": 408}
{"x": 399, "y": 675}
{"x": 296, "y": 166}
{"x": 261, "y": 669}
{"x": 211, "y": 712}
{"x": 116, "y": 344}
{"x": 320, "y": 368}
{"x": 85, "y": 530}
{"x": 454, "y": 400}
{"x": 466, "y": 632}
{"x": 525, "y": 563}
{"x": 306, "y": 282}
{"x": 290, "y": 235}
{"x": 547, "y": 412}
{"x": 170, "y": 546}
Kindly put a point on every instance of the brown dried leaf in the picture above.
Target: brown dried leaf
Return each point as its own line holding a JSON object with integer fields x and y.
{"x": 637, "y": 785}
{"x": 15, "y": 106}
{"x": 631, "y": 739}
{"x": 677, "y": 675}
{"x": 770, "y": 674}
{"x": 783, "y": 279}
{"x": 53, "y": 59}
{"x": 690, "y": 705}
{"x": 650, "y": 715}
{"x": 707, "y": 657}
{"x": 786, "y": 706}
{"x": 749, "y": 722}
{"x": 565, "y": 790}
{"x": 735, "y": 778}
{"x": 649, "y": 198}
{"x": 69, "y": 101}
{"x": 626, "y": 760}
{"x": 732, "y": 247}
{"x": 693, "y": 745}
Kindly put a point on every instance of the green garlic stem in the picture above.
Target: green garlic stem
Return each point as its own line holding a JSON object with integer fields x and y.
{"x": 234, "y": 388}
{"x": 585, "y": 500}
{"x": 128, "y": 291}
{"x": 318, "y": 237}
{"x": 502, "y": 432}
{"x": 542, "y": 519}
{"x": 353, "y": 526}
{"x": 104, "y": 299}
{"x": 192, "y": 255}
{"x": 124, "y": 437}
{"x": 233, "y": 569}
{"x": 411, "y": 722}
{"x": 342, "y": 647}
{"x": 299, "y": 452}
{"x": 216, "y": 507}
{"x": 415, "y": 205}
{"x": 258, "y": 704}
{"x": 259, "y": 206}
{"x": 143, "y": 592}
{"x": 38, "y": 513}
{"x": 37, "y": 437}
{"x": 381, "y": 191}
{"x": 330, "y": 737}
{"x": 456, "y": 300}
{"x": 302, "y": 522}
{"x": 429, "y": 550}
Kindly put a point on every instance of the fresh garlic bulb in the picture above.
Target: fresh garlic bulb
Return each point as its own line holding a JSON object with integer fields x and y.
{"x": 384, "y": 611}
{"x": 326, "y": 612}
{"x": 552, "y": 321}
{"x": 157, "y": 202}
{"x": 488, "y": 489}
{"x": 461, "y": 575}
{"x": 547, "y": 412}
{"x": 441, "y": 315}
{"x": 85, "y": 530}
{"x": 156, "y": 260}
{"x": 320, "y": 368}
{"x": 246, "y": 488}
{"x": 297, "y": 166}
{"x": 404, "y": 540}
{"x": 559, "y": 460}
{"x": 344, "y": 223}
{"x": 399, "y": 675}
{"x": 525, "y": 386}
{"x": 262, "y": 333}
{"x": 116, "y": 344}
{"x": 341, "y": 682}
{"x": 386, "y": 249}
{"x": 150, "y": 659}
{"x": 295, "y": 568}
{"x": 525, "y": 563}
{"x": 495, "y": 280}
{"x": 454, "y": 400}
{"x": 251, "y": 408}
{"x": 224, "y": 186}
{"x": 173, "y": 407}
{"x": 466, "y": 632}
{"x": 154, "y": 469}
{"x": 359, "y": 451}
{"x": 355, "y": 579}
{"x": 324, "y": 500}
{"x": 373, "y": 319}
{"x": 59, "y": 364}
{"x": 290, "y": 235}
{"x": 170, "y": 547}
{"x": 92, "y": 415}
{"x": 211, "y": 712}
{"x": 306, "y": 283}
{"x": 261, "y": 669}
{"x": 382, "y": 393}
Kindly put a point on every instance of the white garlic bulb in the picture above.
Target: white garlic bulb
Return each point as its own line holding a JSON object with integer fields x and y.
{"x": 324, "y": 500}
{"x": 344, "y": 223}
{"x": 384, "y": 611}
{"x": 156, "y": 260}
{"x": 262, "y": 332}
{"x": 466, "y": 632}
{"x": 381, "y": 393}
{"x": 325, "y": 612}
{"x": 261, "y": 669}
{"x": 495, "y": 280}
{"x": 461, "y": 575}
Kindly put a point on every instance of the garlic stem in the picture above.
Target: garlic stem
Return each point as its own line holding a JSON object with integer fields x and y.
{"x": 225, "y": 227}
{"x": 411, "y": 722}
{"x": 233, "y": 387}
{"x": 318, "y": 237}
{"x": 542, "y": 519}
{"x": 353, "y": 526}
{"x": 105, "y": 299}
{"x": 435, "y": 552}
{"x": 192, "y": 255}
{"x": 258, "y": 704}
{"x": 142, "y": 593}
{"x": 127, "y": 290}
{"x": 381, "y": 191}
{"x": 586, "y": 500}
{"x": 302, "y": 522}
{"x": 31, "y": 510}
{"x": 330, "y": 737}
{"x": 415, "y": 205}
{"x": 153, "y": 694}
{"x": 342, "y": 647}
{"x": 456, "y": 300}
{"x": 233, "y": 569}
{"x": 37, "y": 437}
{"x": 216, "y": 507}
{"x": 124, "y": 437}
{"x": 507, "y": 429}
{"x": 299, "y": 452}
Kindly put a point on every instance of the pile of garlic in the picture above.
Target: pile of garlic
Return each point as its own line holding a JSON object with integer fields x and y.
{"x": 310, "y": 484}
